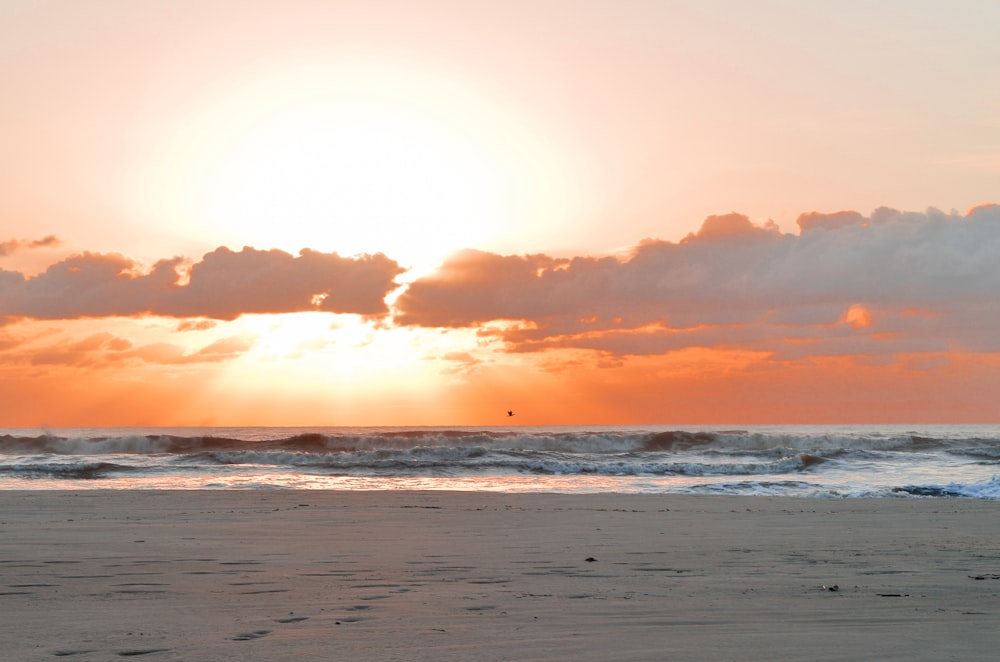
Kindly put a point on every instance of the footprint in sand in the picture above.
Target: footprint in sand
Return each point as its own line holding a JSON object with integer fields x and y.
{"x": 142, "y": 651}
{"x": 65, "y": 653}
{"x": 248, "y": 636}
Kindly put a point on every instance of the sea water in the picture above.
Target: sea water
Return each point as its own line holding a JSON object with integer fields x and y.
{"x": 815, "y": 461}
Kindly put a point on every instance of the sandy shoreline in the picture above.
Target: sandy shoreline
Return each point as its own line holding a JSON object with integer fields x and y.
{"x": 255, "y": 575}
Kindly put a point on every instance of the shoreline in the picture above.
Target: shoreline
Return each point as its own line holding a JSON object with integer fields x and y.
{"x": 281, "y": 574}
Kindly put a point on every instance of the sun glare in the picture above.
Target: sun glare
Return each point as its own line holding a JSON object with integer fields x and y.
{"x": 340, "y": 367}
{"x": 357, "y": 180}
{"x": 352, "y": 153}
{"x": 370, "y": 156}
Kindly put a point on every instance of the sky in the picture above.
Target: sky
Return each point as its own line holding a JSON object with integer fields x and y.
{"x": 239, "y": 212}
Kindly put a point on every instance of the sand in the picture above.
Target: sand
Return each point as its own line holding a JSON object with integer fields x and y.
{"x": 282, "y": 575}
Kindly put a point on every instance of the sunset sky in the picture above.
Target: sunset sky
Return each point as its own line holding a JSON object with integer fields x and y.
{"x": 237, "y": 212}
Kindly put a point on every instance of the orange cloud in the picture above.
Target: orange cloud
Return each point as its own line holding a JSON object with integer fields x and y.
{"x": 730, "y": 226}
{"x": 103, "y": 350}
{"x": 80, "y": 353}
{"x": 814, "y": 220}
{"x": 858, "y": 316}
{"x": 13, "y": 245}
{"x": 163, "y": 353}
{"x": 227, "y": 347}
{"x": 195, "y": 325}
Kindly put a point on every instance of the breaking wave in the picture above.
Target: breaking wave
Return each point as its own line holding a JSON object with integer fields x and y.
{"x": 986, "y": 490}
{"x": 811, "y": 461}
{"x": 597, "y": 441}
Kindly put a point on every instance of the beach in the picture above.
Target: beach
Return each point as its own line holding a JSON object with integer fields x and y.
{"x": 398, "y": 575}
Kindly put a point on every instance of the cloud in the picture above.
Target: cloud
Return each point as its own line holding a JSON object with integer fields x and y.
{"x": 228, "y": 347}
{"x": 195, "y": 325}
{"x": 817, "y": 221}
{"x": 459, "y": 362}
{"x": 86, "y": 352}
{"x": 223, "y": 285}
{"x": 13, "y": 245}
{"x": 162, "y": 353}
{"x": 846, "y": 284}
{"x": 103, "y": 349}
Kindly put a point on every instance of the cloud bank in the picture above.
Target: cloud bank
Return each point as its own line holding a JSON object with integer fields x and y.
{"x": 223, "y": 285}
{"x": 889, "y": 283}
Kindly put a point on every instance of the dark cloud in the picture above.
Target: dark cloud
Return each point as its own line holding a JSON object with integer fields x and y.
{"x": 847, "y": 284}
{"x": 223, "y": 285}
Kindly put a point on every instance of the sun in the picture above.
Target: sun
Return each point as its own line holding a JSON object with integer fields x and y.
{"x": 356, "y": 156}
{"x": 356, "y": 179}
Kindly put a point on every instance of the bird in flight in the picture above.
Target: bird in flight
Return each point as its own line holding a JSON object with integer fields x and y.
{"x": 510, "y": 412}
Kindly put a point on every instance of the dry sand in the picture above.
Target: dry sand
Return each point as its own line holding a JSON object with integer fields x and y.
{"x": 261, "y": 575}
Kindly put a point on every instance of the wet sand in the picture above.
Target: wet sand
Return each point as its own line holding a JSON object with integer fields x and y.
{"x": 281, "y": 575}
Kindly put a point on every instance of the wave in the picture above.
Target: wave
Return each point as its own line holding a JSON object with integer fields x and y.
{"x": 416, "y": 462}
{"x": 986, "y": 490}
{"x": 478, "y": 459}
{"x": 756, "y": 488}
{"x": 74, "y": 471}
{"x": 754, "y": 460}
{"x": 990, "y": 453}
{"x": 989, "y": 489}
{"x": 597, "y": 442}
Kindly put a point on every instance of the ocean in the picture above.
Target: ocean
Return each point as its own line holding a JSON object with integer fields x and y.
{"x": 938, "y": 461}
